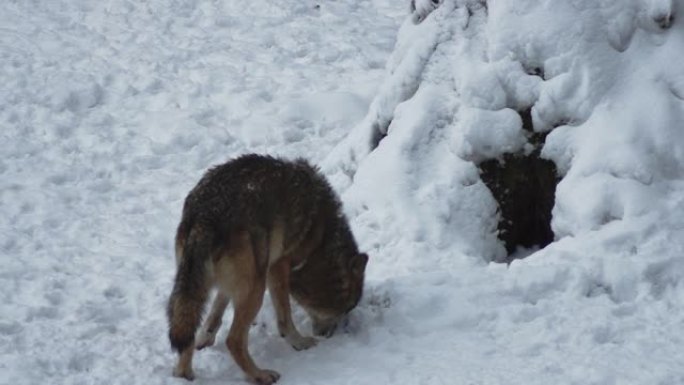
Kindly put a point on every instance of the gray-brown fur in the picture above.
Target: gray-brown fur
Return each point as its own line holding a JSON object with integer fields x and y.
{"x": 258, "y": 222}
{"x": 190, "y": 290}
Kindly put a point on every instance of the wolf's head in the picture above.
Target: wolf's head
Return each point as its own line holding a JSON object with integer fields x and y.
{"x": 325, "y": 322}
{"x": 329, "y": 282}
{"x": 329, "y": 291}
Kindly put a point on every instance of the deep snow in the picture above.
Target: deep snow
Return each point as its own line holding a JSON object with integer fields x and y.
{"x": 110, "y": 112}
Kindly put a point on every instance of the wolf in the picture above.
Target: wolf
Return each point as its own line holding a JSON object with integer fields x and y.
{"x": 253, "y": 223}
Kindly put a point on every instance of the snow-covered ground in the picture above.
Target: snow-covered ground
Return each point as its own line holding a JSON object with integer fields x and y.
{"x": 111, "y": 110}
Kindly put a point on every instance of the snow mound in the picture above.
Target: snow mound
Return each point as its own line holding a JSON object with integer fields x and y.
{"x": 603, "y": 80}
{"x": 457, "y": 82}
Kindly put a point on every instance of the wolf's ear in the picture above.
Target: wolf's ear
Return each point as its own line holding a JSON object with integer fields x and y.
{"x": 358, "y": 263}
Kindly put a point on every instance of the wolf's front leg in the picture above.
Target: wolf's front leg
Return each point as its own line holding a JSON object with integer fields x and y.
{"x": 279, "y": 288}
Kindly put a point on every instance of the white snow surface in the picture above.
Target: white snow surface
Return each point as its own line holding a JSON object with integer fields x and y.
{"x": 110, "y": 111}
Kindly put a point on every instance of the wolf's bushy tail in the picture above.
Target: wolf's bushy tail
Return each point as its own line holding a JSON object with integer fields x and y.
{"x": 190, "y": 289}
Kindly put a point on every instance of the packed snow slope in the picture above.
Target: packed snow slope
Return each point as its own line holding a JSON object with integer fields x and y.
{"x": 110, "y": 112}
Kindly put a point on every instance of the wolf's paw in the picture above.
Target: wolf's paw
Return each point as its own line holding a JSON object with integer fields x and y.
{"x": 266, "y": 377}
{"x": 302, "y": 343}
{"x": 205, "y": 340}
{"x": 186, "y": 373}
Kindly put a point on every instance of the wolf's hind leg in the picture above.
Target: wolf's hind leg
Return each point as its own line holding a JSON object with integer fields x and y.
{"x": 207, "y": 334}
{"x": 246, "y": 308}
{"x": 247, "y": 294}
{"x": 279, "y": 288}
{"x": 183, "y": 368}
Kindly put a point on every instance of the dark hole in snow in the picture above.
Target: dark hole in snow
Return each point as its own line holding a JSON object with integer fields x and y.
{"x": 536, "y": 71}
{"x": 664, "y": 19}
{"x": 377, "y": 135}
{"x": 524, "y": 186}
